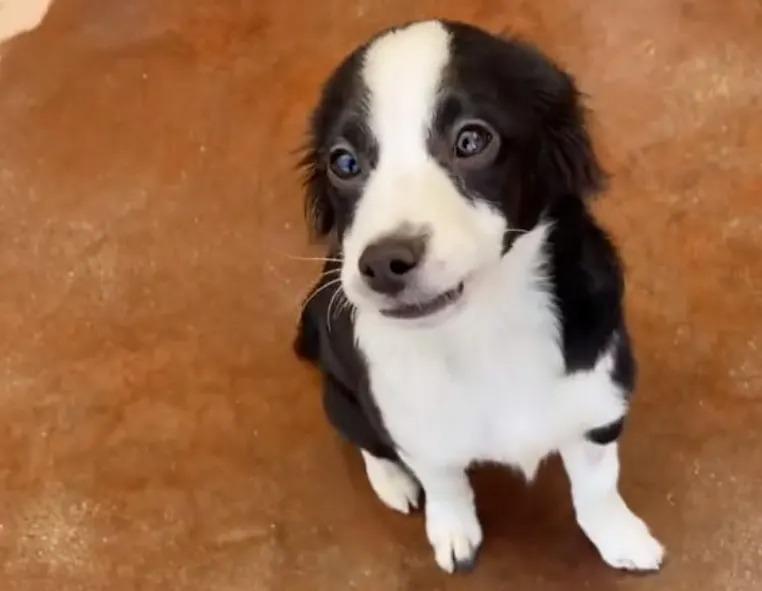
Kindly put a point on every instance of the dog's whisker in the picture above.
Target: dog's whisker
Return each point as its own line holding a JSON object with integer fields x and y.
{"x": 317, "y": 291}
{"x": 316, "y": 259}
{"x": 345, "y": 304}
{"x": 336, "y": 293}
{"x": 329, "y": 274}
{"x": 350, "y": 308}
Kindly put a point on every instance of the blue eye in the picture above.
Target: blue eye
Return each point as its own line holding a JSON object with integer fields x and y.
{"x": 344, "y": 164}
{"x": 471, "y": 141}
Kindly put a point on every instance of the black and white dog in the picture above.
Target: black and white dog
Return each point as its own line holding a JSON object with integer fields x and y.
{"x": 470, "y": 308}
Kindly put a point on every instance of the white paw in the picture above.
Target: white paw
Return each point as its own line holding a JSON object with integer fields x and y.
{"x": 455, "y": 534}
{"x": 394, "y": 486}
{"x": 622, "y": 538}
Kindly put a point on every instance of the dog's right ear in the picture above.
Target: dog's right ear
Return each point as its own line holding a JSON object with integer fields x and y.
{"x": 317, "y": 202}
{"x": 342, "y": 88}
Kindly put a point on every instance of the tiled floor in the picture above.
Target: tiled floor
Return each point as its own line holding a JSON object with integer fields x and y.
{"x": 155, "y": 430}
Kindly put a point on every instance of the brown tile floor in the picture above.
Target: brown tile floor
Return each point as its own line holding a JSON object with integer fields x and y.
{"x": 155, "y": 430}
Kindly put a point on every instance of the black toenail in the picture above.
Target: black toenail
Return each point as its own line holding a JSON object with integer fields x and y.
{"x": 466, "y": 565}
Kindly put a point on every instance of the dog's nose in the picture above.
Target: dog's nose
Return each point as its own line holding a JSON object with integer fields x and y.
{"x": 386, "y": 265}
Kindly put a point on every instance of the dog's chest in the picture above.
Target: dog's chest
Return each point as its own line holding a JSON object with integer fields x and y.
{"x": 478, "y": 390}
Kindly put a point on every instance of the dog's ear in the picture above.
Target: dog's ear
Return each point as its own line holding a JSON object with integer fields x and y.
{"x": 567, "y": 160}
{"x": 340, "y": 89}
{"x": 317, "y": 203}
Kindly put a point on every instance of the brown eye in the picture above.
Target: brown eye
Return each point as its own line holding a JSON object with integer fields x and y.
{"x": 472, "y": 140}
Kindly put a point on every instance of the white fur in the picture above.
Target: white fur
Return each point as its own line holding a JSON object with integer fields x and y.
{"x": 396, "y": 488}
{"x": 486, "y": 381}
{"x": 621, "y": 537}
{"x": 483, "y": 380}
{"x": 451, "y": 523}
{"x": 402, "y": 71}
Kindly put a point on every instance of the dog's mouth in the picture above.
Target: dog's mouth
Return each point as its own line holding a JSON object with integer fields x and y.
{"x": 425, "y": 308}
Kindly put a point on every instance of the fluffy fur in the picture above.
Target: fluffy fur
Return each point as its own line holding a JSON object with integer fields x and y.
{"x": 530, "y": 353}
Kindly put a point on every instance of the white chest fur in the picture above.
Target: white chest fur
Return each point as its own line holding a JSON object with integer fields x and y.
{"x": 488, "y": 382}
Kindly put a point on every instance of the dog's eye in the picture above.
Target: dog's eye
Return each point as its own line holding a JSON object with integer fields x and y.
{"x": 344, "y": 164}
{"x": 472, "y": 140}
{"x": 475, "y": 145}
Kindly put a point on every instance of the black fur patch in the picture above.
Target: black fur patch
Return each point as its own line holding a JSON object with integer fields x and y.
{"x": 587, "y": 282}
{"x": 326, "y": 336}
{"x": 606, "y": 434}
{"x": 341, "y": 104}
{"x": 625, "y": 369}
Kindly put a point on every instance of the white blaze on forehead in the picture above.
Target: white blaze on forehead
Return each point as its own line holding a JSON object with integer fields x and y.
{"x": 402, "y": 71}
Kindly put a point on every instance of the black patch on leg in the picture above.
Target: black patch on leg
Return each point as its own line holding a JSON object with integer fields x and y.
{"x": 624, "y": 371}
{"x": 606, "y": 434}
{"x": 346, "y": 414}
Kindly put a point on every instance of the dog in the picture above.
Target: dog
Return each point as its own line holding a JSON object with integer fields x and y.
{"x": 470, "y": 307}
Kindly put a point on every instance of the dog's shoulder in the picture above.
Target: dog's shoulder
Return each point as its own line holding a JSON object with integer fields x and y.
{"x": 325, "y": 334}
{"x": 326, "y": 337}
{"x": 588, "y": 287}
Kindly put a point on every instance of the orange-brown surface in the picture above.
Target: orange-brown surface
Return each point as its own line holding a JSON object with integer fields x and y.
{"x": 156, "y": 431}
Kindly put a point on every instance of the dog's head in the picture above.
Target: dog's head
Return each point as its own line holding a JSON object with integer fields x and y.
{"x": 432, "y": 147}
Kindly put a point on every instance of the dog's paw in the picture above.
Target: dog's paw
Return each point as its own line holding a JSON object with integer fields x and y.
{"x": 394, "y": 486}
{"x": 455, "y": 534}
{"x": 622, "y": 538}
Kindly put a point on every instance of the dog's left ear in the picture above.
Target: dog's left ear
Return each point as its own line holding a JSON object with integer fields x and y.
{"x": 567, "y": 159}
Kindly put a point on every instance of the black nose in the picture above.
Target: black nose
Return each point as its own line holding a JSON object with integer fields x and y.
{"x": 386, "y": 265}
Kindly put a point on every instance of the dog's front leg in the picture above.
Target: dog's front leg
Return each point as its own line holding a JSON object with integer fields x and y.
{"x": 451, "y": 522}
{"x": 620, "y": 536}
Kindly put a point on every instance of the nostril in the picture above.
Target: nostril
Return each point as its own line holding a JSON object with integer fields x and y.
{"x": 400, "y": 267}
{"x": 386, "y": 266}
{"x": 367, "y": 271}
